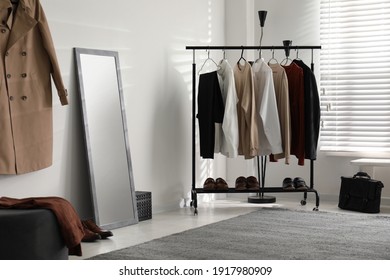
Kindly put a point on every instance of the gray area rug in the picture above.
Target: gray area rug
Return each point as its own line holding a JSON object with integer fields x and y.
{"x": 272, "y": 234}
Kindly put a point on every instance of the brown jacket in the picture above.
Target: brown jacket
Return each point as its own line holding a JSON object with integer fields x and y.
{"x": 28, "y": 59}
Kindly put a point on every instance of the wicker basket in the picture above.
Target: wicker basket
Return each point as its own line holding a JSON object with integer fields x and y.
{"x": 144, "y": 205}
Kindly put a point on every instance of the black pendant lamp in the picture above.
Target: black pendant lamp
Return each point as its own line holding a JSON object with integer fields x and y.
{"x": 262, "y": 17}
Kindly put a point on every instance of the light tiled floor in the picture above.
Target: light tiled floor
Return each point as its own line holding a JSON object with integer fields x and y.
{"x": 163, "y": 224}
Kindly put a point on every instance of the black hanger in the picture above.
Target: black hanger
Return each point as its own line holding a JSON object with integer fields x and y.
{"x": 241, "y": 58}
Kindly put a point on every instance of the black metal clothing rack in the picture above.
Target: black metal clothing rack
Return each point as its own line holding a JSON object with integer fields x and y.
{"x": 262, "y": 189}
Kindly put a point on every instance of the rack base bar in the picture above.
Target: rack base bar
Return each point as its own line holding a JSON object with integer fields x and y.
{"x": 261, "y": 199}
{"x": 260, "y": 192}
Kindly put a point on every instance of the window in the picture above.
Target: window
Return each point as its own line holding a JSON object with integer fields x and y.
{"x": 355, "y": 76}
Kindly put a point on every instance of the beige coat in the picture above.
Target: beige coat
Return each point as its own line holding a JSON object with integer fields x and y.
{"x": 283, "y": 103}
{"x": 28, "y": 62}
{"x": 248, "y": 144}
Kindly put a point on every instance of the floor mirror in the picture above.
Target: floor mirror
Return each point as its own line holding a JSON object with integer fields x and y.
{"x": 106, "y": 138}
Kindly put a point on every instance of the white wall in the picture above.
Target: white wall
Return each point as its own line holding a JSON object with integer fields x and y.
{"x": 156, "y": 73}
{"x": 298, "y": 21}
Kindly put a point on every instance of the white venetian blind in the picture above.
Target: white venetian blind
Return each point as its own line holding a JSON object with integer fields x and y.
{"x": 355, "y": 76}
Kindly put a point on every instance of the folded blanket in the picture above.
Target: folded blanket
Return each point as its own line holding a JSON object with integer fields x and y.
{"x": 70, "y": 225}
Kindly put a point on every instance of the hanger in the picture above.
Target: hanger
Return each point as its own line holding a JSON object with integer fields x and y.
{"x": 297, "y": 57}
{"x": 287, "y": 60}
{"x": 241, "y": 58}
{"x": 208, "y": 58}
{"x": 273, "y": 57}
{"x": 223, "y": 59}
{"x": 223, "y": 56}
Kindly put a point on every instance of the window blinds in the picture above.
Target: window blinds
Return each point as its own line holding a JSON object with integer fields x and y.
{"x": 355, "y": 75}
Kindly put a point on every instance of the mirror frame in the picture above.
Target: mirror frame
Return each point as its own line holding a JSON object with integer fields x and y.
{"x": 132, "y": 219}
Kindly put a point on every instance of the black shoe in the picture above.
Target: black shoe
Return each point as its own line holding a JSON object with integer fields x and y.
{"x": 288, "y": 184}
{"x": 300, "y": 184}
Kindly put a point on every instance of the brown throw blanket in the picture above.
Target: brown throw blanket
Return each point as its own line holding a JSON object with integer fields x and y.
{"x": 70, "y": 225}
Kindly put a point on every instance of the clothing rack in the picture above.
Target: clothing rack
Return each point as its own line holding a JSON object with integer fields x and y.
{"x": 262, "y": 189}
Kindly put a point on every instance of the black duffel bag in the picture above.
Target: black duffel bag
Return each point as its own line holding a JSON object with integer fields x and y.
{"x": 360, "y": 193}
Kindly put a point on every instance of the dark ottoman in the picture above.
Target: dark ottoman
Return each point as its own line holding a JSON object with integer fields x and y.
{"x": 31, "y": 234}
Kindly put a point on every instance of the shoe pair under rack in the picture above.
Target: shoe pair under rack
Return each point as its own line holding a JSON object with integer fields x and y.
{"x": 297, "y": 184}
{"x": 250, "y": 183}
{"x": 218, "y": 184}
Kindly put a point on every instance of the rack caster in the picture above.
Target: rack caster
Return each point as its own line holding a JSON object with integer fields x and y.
{"x": 303, "y": 202}
{"x": 315, "y": 209}
{"x": 196, "y": 212}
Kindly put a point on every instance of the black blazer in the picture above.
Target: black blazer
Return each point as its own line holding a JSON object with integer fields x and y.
{"x": 312, "y": 111}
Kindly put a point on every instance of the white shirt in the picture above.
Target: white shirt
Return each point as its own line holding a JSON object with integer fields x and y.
{"x": 226, "y": 138}
{"x": 270, "y": 140}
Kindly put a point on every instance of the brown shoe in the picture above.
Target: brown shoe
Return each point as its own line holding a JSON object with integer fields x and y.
{"x": 252, "y": 183}
{"x": 90, "y": 236}
{"x": 241, "y": 183}
{"x": 90, "y": 225}
{"x": 209, "y": 184}
{"x": 221, "y": 184}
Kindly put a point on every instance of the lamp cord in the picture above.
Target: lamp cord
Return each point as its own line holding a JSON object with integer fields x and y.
{"x": 261, "y": 39}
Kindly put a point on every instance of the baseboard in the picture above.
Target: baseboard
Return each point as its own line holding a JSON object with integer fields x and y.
{"x": 385, "y": 201}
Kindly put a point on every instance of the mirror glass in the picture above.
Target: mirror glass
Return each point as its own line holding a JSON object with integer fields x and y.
{"x": 106, "y": 138}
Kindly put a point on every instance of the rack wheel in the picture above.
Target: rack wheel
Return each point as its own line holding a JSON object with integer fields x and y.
{"x": 315, "y": 209}
{"x": 303, "y": 202}
{"x": 196, "y": 212}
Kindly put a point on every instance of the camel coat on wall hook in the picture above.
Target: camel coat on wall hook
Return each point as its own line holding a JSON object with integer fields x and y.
{"x": 28, "y": 63}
